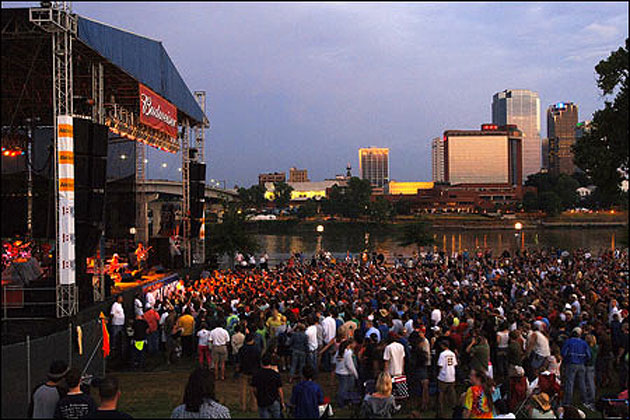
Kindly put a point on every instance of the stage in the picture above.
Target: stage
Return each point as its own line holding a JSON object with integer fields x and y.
{"x": 148, "y": 281}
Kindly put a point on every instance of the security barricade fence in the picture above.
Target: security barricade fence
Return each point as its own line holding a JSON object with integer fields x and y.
{"x": 25, "y": 364}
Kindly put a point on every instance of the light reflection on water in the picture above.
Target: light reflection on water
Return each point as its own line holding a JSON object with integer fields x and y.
{"x": 280, "y": 247}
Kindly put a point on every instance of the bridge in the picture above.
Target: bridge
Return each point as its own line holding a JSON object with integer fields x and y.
{"x": 157, "y": 189}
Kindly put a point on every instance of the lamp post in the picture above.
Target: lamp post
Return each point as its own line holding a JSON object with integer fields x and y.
{"x": 320, "y": 230}
{"x": 518, "y": 226}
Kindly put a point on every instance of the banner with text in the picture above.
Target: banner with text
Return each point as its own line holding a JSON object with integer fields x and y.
{"x": 157, "y": 112}
{"x": 65, "y": 212}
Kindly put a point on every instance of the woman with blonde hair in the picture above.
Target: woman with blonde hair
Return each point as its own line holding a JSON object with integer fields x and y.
{"x": 380, "y": 404}
{"x": 591, "y": 390}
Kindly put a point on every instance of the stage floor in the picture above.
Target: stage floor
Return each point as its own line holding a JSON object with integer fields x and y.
{"x": 146, "y": 280}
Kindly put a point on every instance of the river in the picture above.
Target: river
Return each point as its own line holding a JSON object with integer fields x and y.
{"x": 281, "y": 246}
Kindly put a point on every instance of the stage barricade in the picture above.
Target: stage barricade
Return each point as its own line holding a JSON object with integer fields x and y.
{"x": 25, "y": 364}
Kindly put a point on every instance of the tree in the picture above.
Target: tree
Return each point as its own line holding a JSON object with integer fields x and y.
{"x": 550, "y": 203}
{"x": 402, "y": 207}
{"x": 530, "y": 201}
{"x": 380, "y": 210}
{"x": 357, "y": 196}
{"x": 253, "y": 196}
{"x": 416, "y": 233}
{"x": 603, "y": 151}
{"x": 562, "y": 186}
{"x": 282, "y": 194}
{"x": 565, "y": 188}
{"x": 230, "y": 236}
{"x": 307, "y": 209}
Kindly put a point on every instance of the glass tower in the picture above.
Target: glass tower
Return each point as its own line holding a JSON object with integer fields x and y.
{"x": 521, "y": 107}
{"x": 374, "y": 165}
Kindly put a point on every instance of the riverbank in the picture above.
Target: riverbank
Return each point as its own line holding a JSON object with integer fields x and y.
{"x": 445, "y": 222}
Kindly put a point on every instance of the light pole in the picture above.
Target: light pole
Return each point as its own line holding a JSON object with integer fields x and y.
{"x": 518, "y": 226}
{"x": 320, "y": 230}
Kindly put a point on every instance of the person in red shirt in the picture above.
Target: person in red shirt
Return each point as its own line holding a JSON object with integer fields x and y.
{"x": 152, "y": 318}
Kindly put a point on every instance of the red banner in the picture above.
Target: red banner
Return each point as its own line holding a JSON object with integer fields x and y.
{"x": 157, "y": 112}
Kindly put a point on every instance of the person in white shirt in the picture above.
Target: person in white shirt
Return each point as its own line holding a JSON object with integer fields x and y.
{"x": 394, "y": 356}
{"x": 311, "y": 335}
{"x": 219, "y": 337}
{"x": 203, "y": 346}
{"x": 345, "y": 371}
{"x": 117, "y": 321}
{"x": 137, "y": 306}
{"x": 447, "y": 361}
{"x": 329, "y": 326}
{"x": 436, "y": 316}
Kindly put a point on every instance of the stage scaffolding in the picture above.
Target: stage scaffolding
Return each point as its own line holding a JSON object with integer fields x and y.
{"x": 58, "y": 22}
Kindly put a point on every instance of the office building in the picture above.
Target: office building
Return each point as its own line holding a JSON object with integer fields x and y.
{"x": 521, "y": 107}
{"x": 298, "y": 175}
{"x": 408, "y": 188}
{"x": 545, "y": 155}
{"x": 492, "y": 155}
{"x": 374, "y": 165}
{"x": 562, "y": 119}
{"x": 271, "y": 177}
{"x": 437, "y": 159}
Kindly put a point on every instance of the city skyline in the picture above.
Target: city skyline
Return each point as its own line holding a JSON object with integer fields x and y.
{"x": 308, "y": 84}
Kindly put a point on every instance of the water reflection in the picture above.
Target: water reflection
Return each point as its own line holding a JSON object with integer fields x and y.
{"x": 280, "y": 247}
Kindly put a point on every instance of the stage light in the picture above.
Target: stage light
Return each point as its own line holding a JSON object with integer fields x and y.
{"x": 164, "y": 165}
{"x": 146, "y": 161}
{"x": 123, "y": 157}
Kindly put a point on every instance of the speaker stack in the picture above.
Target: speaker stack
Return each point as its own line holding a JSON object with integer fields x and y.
{"x": 90, "y": 166}
{"x": 197, "y": 189}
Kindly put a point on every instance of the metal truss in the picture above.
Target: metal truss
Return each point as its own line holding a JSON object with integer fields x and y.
{"x": 59, "y": 21}
{"x": 199, "y": 254}
{"x": 186, "y": 240}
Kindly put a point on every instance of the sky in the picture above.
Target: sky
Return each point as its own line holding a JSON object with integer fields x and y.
{"x": 308, "y": 84}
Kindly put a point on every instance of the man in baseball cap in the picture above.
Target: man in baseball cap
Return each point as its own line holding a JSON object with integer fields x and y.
{"x": 46, "y": 396}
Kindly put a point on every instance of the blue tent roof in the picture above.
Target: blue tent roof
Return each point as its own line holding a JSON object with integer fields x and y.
{"x": 144, "y": 59}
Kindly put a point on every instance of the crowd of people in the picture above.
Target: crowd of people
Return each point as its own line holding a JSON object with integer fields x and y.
{"x": 463, "y": 336}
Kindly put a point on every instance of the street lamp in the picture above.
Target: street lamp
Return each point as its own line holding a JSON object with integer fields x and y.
{"x": 319, "y": 229}
{"x": 518, "y": 226}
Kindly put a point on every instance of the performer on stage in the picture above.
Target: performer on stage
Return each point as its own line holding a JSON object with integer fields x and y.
{"x": 115, "y": 268}
{"x": 142, "y": 255}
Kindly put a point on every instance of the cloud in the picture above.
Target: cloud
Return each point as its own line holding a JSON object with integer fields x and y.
{"x": 601, "y": 31}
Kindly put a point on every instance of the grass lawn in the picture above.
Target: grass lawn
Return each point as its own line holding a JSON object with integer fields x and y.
{"x": 156, "y": 392}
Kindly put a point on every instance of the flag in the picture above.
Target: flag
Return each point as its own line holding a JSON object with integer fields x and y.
{"x": 80, "y": 340}
{"x": 105, "y": 336}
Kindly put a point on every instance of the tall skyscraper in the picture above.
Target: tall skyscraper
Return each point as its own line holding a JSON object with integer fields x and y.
{"x": 437, "y": 159}
{"x": 491, "y": 155}
{"x": 545, "y": 155}
{"x": 374, "y": 165}
{"x": 521, "y": 107}
{"x": 562, "y": 119}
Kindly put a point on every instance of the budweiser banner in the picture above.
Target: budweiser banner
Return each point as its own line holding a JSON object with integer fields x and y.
{"x": 157, "y": 112}
{"x": 65, "y": 212}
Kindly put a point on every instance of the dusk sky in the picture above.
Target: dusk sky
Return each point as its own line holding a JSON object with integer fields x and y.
{"x": 307, "y": 84}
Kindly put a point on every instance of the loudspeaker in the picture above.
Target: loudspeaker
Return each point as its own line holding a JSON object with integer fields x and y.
{"x": 162, "y": 254}
{"x": 82, "y": 132}
{"x": 197, "y": 171}
{"x": 99, "y": 172}
{"x": 197, "y": 190}
{"x": 100, "y": 140}
{"x": 192, "y": 153}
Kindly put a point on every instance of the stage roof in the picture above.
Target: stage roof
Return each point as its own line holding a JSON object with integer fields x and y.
{"x": 143, "y": 58}
{"x": 131, "y": 57}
